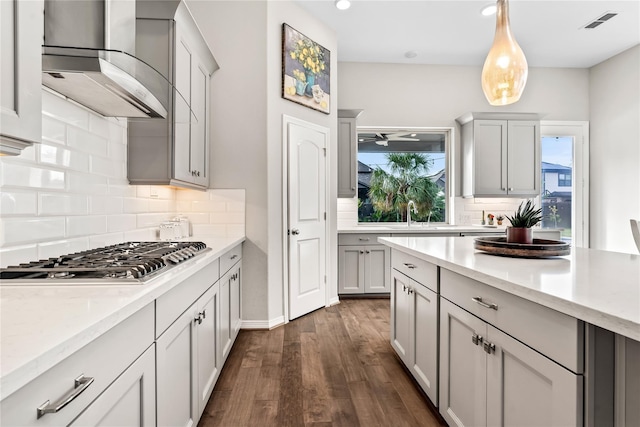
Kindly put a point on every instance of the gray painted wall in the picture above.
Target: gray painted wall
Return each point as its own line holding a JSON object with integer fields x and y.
{"x": 615, "y": 150}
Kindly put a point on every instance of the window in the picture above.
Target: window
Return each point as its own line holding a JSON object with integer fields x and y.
{"x": 398, "y": 165}
{"x": 564, "y": 180}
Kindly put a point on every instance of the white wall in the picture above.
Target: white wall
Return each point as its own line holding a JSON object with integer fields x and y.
{"x": 615, "y": 150}
{"x": 247, "y": 109}
{"x": 70, "y": 193}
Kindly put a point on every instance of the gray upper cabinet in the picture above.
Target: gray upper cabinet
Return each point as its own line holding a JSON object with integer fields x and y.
{"x": 500, "y": 155}
{"x": 21, "y": 33}
{"x": 175, "y": 150}
{"x": 347, "y": 153}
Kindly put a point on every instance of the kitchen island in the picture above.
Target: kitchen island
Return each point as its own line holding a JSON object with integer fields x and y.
{"x": 497, "y": 322}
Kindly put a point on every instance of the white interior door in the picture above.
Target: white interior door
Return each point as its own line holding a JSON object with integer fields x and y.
{"x": 307, "y": 216}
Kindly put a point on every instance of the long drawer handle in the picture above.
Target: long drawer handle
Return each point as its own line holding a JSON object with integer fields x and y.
{"x": 363, "y": 239}
{"x": 485, "y": 304}
{"x": 80, "y": 384}
{"x": 234, "y": 257}
{"x": 408, "y": 265}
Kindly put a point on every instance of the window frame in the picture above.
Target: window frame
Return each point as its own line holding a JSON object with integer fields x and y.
{"x": 449, "y": 170}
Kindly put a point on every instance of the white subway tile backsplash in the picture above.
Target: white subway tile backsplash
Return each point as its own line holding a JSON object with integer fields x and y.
{"x": 226, "y": 218}
{"x": 15, "y": 231}
{"x": 99, "y": 126}
{"x": 209, "y": 230}
{"x": 105, "y": 240}
{"x": 61, "y": 157}
{"x": 63, "y": 110}
{"x": 105, "y": 205}
{"x": 17, "y": 255}
{"x": 54, "y": 130}
{"x": 106, "y": 167}
{"x": 70, "y": 193}
{"x": 185, "y": 194}
{"x": 86, "y": 183}
{"x": 152, "y": 219}
{"x": 62, "y": 247}
{"x": 121, "y": 223}
{"x": 132, "y": 205}
{"x": 208, "y": 206}
{"x": 86, "y": 141}
{"x": 62, "y": 204}
{"x": 24, "y": 175}
{"x": 86, "y": 225}
{"x": 18, "y": 203}
{"x": 199, "y": 217}
{"x": 141, "y": 235}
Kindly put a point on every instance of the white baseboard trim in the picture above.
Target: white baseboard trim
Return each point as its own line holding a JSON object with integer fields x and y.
{"x": 333, "y": 301}
{"x": 262, "y": 324}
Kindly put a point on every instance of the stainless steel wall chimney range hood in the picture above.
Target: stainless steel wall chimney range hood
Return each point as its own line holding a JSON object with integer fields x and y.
{"x": 88, "y": 56}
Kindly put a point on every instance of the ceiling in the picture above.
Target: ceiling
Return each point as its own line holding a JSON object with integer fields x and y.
{"x": 453, "y": 32}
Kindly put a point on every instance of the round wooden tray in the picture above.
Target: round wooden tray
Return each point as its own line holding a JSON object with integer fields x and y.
{"x": 540, "y": 248}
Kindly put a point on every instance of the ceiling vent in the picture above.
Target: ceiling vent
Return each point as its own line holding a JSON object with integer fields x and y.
{"x": 601, "y": 20}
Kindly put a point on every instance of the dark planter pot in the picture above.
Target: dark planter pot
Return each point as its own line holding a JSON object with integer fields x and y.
{"x": 519, "y": 235}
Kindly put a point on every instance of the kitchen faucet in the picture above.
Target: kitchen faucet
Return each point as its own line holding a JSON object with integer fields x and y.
{"x": 415, "y": 211}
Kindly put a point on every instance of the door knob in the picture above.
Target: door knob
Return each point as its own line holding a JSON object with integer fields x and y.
{"x": 295, "y": 231}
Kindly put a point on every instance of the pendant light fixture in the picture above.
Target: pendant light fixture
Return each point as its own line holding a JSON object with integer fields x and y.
{"x": 505, "y": 70}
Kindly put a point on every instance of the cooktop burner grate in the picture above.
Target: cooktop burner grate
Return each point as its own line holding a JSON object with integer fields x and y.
{"x": 131, "y": 260}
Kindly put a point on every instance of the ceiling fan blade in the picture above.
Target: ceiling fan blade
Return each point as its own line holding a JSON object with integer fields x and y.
{"x": 402, "y": 138}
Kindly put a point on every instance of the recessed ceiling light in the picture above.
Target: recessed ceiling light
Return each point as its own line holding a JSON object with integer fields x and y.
{"x": 343, "y": 4}
{"x": 411, "y": 54}
{"x": 488, "y": 10}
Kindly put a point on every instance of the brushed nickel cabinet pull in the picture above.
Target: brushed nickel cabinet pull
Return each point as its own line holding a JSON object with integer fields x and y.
{"x": 485, "y": 304}
{"x": 80, "y": 384}
{"x": 408, "y": 265}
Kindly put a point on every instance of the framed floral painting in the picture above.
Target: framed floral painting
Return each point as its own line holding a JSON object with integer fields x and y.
{"x": 306, "y": 71}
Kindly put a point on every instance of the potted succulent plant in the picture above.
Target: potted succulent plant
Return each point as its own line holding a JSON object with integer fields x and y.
{"x": 521, "y": 222}
{"x": 500, "y": 218}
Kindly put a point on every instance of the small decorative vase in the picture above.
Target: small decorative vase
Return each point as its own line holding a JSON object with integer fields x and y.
{"x": 311, "y": 80}
{"x": 490, "y": 222}
{"x": 300, "y": 87}
{"x": 499, "y": 222}
{"x": 519, "y": 235}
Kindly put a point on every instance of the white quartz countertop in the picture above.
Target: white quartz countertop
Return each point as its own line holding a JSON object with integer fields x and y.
{"x": 40, "y": 325}
{"x": 598, "y": 287}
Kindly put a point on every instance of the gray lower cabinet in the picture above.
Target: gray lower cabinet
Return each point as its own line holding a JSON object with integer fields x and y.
{"x": 129, "y": 400}
{"x": 414, "y": 330}
{"x": 363, "y": 269}
{"x": 187, "y": 363}
{"x": 488, "y": 378}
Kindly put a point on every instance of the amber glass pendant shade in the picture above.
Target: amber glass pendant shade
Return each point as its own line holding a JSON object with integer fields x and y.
{"x": 505, "y": 70}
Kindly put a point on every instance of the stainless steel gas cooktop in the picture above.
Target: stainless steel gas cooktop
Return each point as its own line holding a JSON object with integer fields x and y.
{"x": 125, "y": 262}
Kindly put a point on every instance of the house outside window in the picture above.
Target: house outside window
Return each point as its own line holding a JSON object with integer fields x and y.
{"x": 398, "y": 165}
{"x": 564, "y": 180}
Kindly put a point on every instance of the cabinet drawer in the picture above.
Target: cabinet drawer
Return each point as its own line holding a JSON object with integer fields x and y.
{"x": 554, "y": 334}
{"x": 230, "y": 258}
{"x": 172, "y": 304}
{"x": 419, "y": 270}
{"x": 361, "y": 239}
{"x": 103, "y": 359}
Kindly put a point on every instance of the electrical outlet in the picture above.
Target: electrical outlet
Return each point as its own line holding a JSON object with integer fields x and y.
{"x": 153, "y": 193}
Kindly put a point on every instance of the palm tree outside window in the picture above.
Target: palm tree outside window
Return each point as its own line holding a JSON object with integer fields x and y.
{"x": 398, "y": 165}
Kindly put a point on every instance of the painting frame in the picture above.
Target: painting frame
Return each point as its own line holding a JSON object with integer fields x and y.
{"x": 306, "y": 71}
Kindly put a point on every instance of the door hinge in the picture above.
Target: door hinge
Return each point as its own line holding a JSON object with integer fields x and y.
{"x": 325, "y": 278}
{"x": 325, "y": 152}
{"x": 325, "y": 216}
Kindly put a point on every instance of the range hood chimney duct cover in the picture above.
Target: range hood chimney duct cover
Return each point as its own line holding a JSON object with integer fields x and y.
{"x": 88, "y": 56}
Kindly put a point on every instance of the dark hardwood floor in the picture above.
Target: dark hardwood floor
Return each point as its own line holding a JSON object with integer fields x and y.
{"x": 332, "y": 367}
